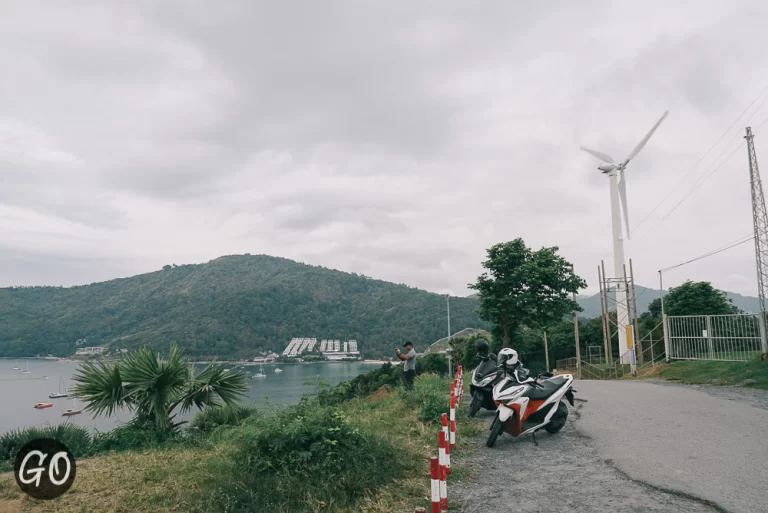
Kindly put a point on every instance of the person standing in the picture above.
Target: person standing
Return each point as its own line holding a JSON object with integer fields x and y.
{"x": 409, "y": 367}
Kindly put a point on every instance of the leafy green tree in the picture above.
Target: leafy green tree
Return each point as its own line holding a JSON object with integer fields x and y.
{"x": 153, "y": 389}
{"x": 522, "y": 287}
{"x": 432, "y": 362}
{"x": 694, "y": 298}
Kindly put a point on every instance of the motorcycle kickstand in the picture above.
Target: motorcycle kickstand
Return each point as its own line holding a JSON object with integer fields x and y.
{"x": 536, "y": 442}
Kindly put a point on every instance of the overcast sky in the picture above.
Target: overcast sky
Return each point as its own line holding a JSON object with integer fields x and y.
{"x": 394, "y": 139}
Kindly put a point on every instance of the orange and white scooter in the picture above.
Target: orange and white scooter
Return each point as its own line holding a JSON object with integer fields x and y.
{"x": 526, "y": 405}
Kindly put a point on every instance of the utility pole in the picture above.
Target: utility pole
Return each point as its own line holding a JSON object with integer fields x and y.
{"x": 576, "y": 334}
{"x": 546, "y": 351}
{"x": 448, "y": 305}
{"x": 606, "y": 327}
{"x": 760, "y": 224}
{"x": 638, "y": 339}
{"x": 629, "y": 329}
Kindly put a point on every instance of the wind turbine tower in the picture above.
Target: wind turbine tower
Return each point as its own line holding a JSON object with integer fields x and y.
{"x": 618, "y": 189}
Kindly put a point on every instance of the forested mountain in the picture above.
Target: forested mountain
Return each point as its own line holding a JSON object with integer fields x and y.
{"x": 233, "y": 306}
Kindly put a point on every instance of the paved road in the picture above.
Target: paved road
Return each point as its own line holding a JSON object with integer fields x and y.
{"x": 564, "y": 474}
{"x": 707, "y": 442}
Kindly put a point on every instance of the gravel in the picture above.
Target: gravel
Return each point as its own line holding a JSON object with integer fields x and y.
{"x": 564, "y": 474}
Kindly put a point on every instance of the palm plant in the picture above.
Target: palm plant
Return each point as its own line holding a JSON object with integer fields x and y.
{"x": 153, "y": 389}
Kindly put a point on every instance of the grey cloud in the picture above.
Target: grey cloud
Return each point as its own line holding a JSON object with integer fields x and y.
{"x": 396, "y": 139}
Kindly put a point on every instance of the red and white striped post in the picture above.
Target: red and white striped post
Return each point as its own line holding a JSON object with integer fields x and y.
{"x": 453, "y": 417}
{"x": 434, "y": 466}
{"x": 443, "y": 490}
{"x": 443, "y": 472}
{"x": 447, "y": 444}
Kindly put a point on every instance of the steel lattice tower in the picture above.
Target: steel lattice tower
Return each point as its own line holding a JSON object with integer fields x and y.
{"x": 759, "y": 220}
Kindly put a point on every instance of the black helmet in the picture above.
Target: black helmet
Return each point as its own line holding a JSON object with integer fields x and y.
{"x": 481, "y": 347}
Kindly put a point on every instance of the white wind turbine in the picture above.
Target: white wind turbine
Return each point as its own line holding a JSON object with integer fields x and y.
{"x": 618, "y": 186}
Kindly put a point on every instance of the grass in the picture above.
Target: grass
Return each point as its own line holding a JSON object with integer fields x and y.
{"x": 230, "y": 471}
{"x": 751, "y": 374}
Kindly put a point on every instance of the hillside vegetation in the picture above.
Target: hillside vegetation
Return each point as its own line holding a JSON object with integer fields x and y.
{"x": 232, "y": 306}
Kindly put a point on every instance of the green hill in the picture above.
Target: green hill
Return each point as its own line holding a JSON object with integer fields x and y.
{"x": 233, "y": 306}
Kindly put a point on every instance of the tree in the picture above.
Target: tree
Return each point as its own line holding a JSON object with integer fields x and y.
{"x": 528, "y": 288}
{"x": 152, "y": 389}
{"x": 694, "y": 298}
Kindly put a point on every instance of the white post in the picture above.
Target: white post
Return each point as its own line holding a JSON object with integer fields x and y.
{"x": 665, "y": 325}
{"x": 763, "y": 338}
{"x": 622, "y": 315}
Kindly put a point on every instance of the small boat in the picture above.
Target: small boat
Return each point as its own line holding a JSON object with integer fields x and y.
{"x": 61, "y": 393}
{"x": 277, "y": 371}
{"x": 40, "y": 406}
{"x": 260, "y": 373}
{"x": 27, "y": 371}
{"x": 17, "y": 365}
{"x": 71, "y": 411}
{"x": 44, "y": 377}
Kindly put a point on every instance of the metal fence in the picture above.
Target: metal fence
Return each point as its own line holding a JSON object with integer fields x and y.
{"x": 714, "y": 337}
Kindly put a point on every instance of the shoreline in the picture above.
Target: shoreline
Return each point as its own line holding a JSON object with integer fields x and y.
{"x": 206, "y": 362}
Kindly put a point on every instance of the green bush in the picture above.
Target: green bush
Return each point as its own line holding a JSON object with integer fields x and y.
{"x": 362, "y": 385}
{"x": 431, "y": 394}
{"x": 302, "y": 456}
{"x": 76, "y": 438}
{"x": 210, "y": 418}
{"x": 432, "y": 363}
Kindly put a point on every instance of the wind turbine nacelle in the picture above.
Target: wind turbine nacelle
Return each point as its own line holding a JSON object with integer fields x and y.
{"x": 606, "y": 168}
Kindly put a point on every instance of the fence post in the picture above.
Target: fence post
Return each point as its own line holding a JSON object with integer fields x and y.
{"x": 665, "y": 321}
{"x": 710, "y": 343}
{"x": 763, "y": 338}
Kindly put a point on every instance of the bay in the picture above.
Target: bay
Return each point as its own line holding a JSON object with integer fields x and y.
{"x": 20, "y": 392}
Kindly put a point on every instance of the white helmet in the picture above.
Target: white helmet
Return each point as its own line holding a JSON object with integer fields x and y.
{"x": 508, "y": 357}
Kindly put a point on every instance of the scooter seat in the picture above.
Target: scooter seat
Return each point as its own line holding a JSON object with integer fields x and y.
{"x": 546, "y": 389}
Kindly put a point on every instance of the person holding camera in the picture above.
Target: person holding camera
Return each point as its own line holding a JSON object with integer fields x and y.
{"x": 409, "y": 367}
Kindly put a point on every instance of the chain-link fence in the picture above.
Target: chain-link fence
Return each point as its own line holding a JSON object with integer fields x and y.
{"x": 734, "y": 337}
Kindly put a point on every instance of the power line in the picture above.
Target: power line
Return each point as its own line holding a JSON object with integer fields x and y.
{"x": 682, "y": 180}
{"x": 703, "y": 179}
{"x": 715, "y": 252}
{"x": 716, "y": 166}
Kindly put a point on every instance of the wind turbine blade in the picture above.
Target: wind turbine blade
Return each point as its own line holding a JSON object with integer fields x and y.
{"x": 623, "y": 198}
{"x": 645, "y": 139}
{"x": 602, "y": 156}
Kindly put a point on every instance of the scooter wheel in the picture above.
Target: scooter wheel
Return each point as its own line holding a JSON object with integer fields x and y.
{"x": 475, "y": 406}
{"x": 558, "y": 419}
{"x": 496, "y": 428}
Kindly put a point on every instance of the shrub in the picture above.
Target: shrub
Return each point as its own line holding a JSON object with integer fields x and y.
{"x": 432, "y": 363}
{"x": 303, "y": 455}
{"x": 210, "y": 418}
{"x": 431, "y": 394}
{"x": 362, "y": 385}
{"x": 76, "y": 438}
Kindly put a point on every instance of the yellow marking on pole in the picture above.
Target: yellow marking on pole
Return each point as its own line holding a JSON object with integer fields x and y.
{"x": 630, "y": 341}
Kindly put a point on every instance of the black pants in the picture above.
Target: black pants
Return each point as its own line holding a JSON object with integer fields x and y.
{"x": 408, "y": 377}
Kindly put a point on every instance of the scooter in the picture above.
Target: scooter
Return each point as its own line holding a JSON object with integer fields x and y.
{"x": 481, "y": 385}
{"x": 528, "y": 405}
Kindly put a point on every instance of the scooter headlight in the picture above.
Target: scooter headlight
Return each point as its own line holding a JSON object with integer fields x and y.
{"x": 487, "y": 380}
